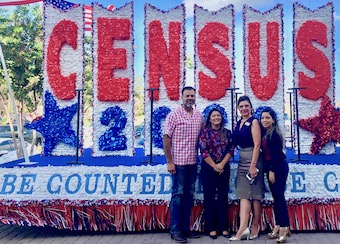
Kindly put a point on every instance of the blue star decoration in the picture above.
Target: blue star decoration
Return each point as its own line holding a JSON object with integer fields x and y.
{"x": 55, "y": 126}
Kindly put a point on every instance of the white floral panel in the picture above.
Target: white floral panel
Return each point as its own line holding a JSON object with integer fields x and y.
{"x": 214, "y": 60}
{"x": 71, "y": 62}
{"x": 113, "y": 81}
{"x": 310, "y": 60}
{"x": 151, "y": 182}
{"x": 164, "y": 69}
{"x": 263, "y": 59}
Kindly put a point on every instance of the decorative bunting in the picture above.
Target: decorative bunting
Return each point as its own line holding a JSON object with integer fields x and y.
{"x": 139, "y": 215}
{"x": 136, "y": 198}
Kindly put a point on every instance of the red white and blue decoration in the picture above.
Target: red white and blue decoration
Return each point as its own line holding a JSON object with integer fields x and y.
{"x": 16, "y": 2}
{"x": 164, "y": 39}
{"x": 63, "y": 71}
{"x": 115, "y": 189}
{"x": 313, "y": 67}
{"x": 214, "y": 58}
{"x": 263, "y": 58}
{"x": 113, "y": 81}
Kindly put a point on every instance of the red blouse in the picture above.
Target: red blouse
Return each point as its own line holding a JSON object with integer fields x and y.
{"x": 265, "y": 149}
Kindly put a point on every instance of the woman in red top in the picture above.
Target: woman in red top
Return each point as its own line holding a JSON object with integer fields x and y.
{"x": 216, "y": 149}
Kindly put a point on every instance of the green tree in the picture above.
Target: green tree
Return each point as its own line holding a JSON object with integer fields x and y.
{"x": 88, "y": 81}
{"x": 189, "y": 63}
{"x": 21, "y": 41}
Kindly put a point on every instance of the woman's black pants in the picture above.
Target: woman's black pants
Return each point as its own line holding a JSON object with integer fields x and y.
{"x": 278, "y": 193}
{"x": 215, "y": 192}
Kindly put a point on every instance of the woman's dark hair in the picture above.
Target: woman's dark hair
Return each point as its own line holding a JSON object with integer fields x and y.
{"x": 244, "y": 98}
{"x": 222, "y": 131}
{"x": 275, "y": 126}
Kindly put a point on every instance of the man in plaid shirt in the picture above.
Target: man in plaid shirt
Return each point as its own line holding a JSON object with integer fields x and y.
{"x": 181, "y": 130}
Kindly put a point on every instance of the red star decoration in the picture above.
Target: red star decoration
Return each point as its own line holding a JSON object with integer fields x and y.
{"x": 325, "y": 127}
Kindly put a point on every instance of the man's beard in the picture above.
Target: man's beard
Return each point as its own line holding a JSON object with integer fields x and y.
{"x": 189, "y": 104}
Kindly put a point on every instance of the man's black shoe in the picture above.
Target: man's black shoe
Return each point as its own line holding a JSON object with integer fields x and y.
{"x": 192, "y": 235}
{"x": 178, "y": 238}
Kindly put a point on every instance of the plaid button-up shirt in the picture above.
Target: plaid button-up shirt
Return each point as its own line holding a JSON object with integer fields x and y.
{"x": 183, "y": 128}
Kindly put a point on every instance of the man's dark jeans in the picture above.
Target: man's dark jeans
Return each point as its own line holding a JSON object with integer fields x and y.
{"x": 183, "y": 189}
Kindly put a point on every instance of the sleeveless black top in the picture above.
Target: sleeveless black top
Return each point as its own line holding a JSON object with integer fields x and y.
{"x": 242, "y": 136}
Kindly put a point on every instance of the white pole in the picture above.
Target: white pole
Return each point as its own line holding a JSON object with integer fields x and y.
{"x": 23, "y": 146}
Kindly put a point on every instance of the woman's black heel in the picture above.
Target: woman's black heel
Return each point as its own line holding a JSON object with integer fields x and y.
{"x": 226, "y": 234}
{"x": 213, "y": 235}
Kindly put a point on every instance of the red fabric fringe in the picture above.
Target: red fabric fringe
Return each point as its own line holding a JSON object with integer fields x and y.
{"x": 119, "y": 218}
{"x": 162, "y": 217}
{"x": 233, "y": 213}
{"x": 268, "y": 216}
{"x": 196, "y": 217}
{"x": 153, "y": 215}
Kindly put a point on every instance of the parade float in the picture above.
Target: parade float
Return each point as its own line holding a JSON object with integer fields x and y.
{"x": 116, "y": 186}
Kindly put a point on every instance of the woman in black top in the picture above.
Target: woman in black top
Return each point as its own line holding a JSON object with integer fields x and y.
{"x": 277, "y": 172}
{"x": 250, "y": 174}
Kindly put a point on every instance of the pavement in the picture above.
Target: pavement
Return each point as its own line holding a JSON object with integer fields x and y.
{"x": 47, "y": 235}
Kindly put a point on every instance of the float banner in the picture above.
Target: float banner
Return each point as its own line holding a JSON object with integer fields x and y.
{"x": 113, "y": 81}
{"x": 214, "y": 59}
{"x": 313, "y": 69}
{"x": 164, "y": 69}
{"x": 144, "y": 183}
{"x": 263, "y": 59}
{"x": 63, "y": 73}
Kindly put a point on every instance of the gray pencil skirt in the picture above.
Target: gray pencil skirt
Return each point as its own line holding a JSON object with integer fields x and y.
{"x": 243, "y": 188}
